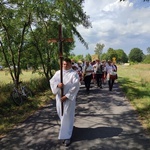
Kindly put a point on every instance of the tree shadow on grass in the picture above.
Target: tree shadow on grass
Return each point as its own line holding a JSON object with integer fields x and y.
{"x": 128, "y": 85}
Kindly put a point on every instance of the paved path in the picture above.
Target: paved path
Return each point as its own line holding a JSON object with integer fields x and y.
{"x": 104, "y": 121}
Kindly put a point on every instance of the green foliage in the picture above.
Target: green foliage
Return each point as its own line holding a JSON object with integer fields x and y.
{"x": 11, "y": 114}
{"x": 148, "y": 50}
{"x": 99, "y": 49}
{"x": 36, "y": 85}
{"x": 121, "y": 56}
{"x": 71, "y": 14}
{"x": 78, "y": 58}
{"x": 147, "y": 59}
{"x": 135, "y": 82}
{"x": 14, "y": 24}
{"x": 88, "y": 57}
{"x": 104, "y": 56}
{"x": 136, "y": 55}
{"x": 111, "y": 53}
{"x": 27, "y": 26}
{"x": 39, "y": 85}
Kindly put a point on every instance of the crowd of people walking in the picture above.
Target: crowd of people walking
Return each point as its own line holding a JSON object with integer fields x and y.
{"x": 98, "y": 72}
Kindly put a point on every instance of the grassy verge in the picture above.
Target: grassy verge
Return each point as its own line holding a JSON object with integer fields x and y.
{"x": 135, "y": 82}
{"x": 10, "y": 114}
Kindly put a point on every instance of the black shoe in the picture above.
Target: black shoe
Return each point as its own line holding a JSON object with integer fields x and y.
{"x": 67, "y": 142}
{"x": 87, "y": 91}
{"x": 63, "y": 141}
{"x": 101, "y": 87}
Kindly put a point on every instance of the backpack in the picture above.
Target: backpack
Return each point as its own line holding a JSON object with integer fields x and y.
{"x": 99, "y": 69}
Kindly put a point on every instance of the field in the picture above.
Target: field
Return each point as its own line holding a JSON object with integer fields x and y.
{"x": 25, "y": 76}
{"x": 135, "y": 82}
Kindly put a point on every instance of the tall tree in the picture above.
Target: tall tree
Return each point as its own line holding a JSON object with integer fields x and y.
{"x": 136, "y": 55}
{"x": 148, "y": 50}
{"x": 99, "y": 49}
{"x": 121, "y": 56}
{"x": 15, "y": 19}
{"x": 47, "y": 53}
{"x": 111, "y": 54}
{"x": 70, "y": 13}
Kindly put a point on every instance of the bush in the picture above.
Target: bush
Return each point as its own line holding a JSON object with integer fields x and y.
{"x": 36, "y": 85}
{"x": 40, "y": 84}
{"x": 147, "y": 59}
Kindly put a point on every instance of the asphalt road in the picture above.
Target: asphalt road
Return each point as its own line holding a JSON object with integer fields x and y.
{"x": 104, "y": 120}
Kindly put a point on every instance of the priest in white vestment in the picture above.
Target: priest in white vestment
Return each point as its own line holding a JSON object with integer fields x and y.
{"x": 70, "y": 89}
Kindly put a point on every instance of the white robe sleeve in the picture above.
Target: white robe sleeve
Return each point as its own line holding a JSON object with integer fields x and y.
{"x": 74, "y": 88}
{"x": 54, "y": 81}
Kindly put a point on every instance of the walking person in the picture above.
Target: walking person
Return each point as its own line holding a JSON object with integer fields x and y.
{"x": 79, "y": 71}
{"x": 94, "y": 72}
{"x": 87, "y": 75}
{"x": 70, "y": 87}
{"x": 111, "y": 74}
{"x": 115, "y": 69}
{"x": 104, "y": 72}
{"x": 99, "y": 73}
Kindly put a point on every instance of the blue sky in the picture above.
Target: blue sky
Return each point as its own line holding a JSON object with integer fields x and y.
{"x": 119, "y": 25}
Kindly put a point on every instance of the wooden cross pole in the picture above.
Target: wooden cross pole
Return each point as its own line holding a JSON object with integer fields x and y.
{"x": 60, "y": 40}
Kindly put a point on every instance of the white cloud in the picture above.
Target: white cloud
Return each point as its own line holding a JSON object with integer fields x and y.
{"x": 116, "y": 24}
{"x": 117, "y": 5}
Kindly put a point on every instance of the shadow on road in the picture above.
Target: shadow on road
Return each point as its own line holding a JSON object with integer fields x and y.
{"x": 94, "y": 133}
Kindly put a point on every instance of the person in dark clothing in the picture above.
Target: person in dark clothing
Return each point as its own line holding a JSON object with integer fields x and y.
{"x": 99, "y": 73}
{"x": 87, "y": 75}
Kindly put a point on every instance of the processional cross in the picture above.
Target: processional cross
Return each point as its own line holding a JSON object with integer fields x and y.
{"x": 60, "y": 40}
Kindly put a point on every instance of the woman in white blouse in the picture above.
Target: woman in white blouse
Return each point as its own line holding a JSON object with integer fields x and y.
{"x": 111, "y": 74}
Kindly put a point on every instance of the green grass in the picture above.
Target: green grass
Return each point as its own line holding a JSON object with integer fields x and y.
{"x": 5, "y": 77}
{"x": 10, "y": 114}
{"x": 135, "y": 82}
